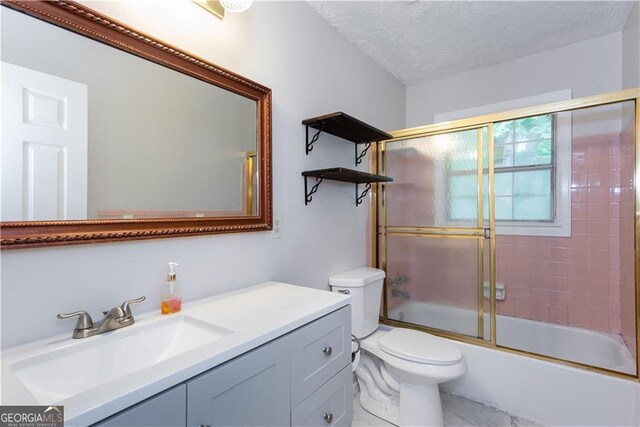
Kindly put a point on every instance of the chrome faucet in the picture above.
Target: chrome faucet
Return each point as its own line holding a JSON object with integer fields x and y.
{"x": 116, "y": 318}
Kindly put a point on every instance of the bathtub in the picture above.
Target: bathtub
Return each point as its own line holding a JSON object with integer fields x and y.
{"x": 563, "y": 342}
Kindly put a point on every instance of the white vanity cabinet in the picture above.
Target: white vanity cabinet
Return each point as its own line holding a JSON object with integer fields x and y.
{"x": 301, "y": 378}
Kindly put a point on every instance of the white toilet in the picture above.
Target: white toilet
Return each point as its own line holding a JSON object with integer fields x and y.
{"x": 399, "y": 369}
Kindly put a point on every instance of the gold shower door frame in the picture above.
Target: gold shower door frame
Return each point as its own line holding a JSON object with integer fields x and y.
{"x": 382, "y": 231}
{"x": 478, "y": 233}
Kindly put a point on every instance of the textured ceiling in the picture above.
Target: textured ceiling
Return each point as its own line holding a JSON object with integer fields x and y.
{"x": 424, "y": 40}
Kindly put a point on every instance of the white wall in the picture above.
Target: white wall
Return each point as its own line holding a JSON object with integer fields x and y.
{"x": 312, "y": 70}
{"x": 631, "y": 49}
{"x": 588, "y": 68}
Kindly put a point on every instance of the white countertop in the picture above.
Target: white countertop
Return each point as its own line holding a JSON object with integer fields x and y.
{"x": 255, "y": 315}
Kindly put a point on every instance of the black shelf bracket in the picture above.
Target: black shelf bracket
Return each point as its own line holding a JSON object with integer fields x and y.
{"x": 364, "y": 152}
{"x": 314, "y": 139}
{"x": 361, "y": 196}
{"x": 307, "y": 193}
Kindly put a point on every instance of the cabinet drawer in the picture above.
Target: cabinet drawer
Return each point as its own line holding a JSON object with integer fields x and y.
{"x": 331, "y": 405}
{"x": 319, "y": 351}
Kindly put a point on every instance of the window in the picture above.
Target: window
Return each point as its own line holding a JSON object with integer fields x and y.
{"x": 532, "y": 159}
{"x": 524, "y": 174}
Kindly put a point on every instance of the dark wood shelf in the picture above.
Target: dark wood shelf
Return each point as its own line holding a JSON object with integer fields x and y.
{"x": 347, "y": 175}
{"x": 346, "y": 127}
{"x": 343, "y": 175}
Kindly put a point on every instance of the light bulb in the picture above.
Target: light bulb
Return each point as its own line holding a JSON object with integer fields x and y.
{"x": 236, "y": 6}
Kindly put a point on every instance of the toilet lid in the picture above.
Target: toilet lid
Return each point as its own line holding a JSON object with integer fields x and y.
{"x": 419, "y": 347}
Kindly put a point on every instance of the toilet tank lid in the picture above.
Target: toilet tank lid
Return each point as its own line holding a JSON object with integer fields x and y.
{"x": 357, "y": 278}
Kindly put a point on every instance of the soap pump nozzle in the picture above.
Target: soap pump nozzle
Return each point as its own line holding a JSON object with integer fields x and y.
{"x": 172, "y": 271}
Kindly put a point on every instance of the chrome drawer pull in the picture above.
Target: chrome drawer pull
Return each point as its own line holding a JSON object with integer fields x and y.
{"x": 328, "y": 417}
{"x": 328, "y": 350}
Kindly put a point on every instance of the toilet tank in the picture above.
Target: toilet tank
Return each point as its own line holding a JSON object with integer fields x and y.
{"x": 365, "y": 287}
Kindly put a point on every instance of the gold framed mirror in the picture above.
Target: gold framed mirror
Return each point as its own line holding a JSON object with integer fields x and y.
{"x": 181, "y": 148}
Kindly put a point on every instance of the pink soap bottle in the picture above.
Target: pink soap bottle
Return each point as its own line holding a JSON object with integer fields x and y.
{"x": 171, "y": 298}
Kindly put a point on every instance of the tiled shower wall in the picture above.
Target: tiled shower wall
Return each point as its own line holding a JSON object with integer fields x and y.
{"x": 577, "y": 281}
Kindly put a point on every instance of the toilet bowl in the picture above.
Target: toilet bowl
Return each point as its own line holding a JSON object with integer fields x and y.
{"x": 399, "y": 369}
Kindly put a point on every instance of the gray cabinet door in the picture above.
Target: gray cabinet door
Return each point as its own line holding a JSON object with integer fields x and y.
{"x": 167, "y": 409}
{"x": 251, "y": 390}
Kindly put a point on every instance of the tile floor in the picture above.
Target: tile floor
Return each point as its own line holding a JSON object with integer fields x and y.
{"x": 458, "y": 412}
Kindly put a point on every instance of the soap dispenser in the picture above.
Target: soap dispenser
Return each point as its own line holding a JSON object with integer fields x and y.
{"x": 171, "y": 298}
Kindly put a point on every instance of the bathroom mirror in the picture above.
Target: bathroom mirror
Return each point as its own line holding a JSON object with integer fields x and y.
{"x": 110, "y": 134}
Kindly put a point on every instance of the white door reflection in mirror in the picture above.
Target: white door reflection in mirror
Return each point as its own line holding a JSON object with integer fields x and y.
{"x": 44, "y": 146}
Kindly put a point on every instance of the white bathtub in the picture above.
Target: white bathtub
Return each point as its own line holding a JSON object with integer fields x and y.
{"x": 564, "y": 342}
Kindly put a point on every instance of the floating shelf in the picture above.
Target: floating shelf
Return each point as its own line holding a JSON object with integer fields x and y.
{"x": 344, "y": 175}
{"x": 346, "y": 127}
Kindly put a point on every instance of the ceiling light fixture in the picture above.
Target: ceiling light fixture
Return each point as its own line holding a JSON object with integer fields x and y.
{"x": 236, "y": 6}
{"x": 219, "y": 7}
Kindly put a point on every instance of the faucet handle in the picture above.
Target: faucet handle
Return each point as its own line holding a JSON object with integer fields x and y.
{"x": 126, "y": 305}
{"x": 84, "y": 319}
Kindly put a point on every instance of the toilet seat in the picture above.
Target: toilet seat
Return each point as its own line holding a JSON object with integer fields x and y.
{"x": 415, "y": 346}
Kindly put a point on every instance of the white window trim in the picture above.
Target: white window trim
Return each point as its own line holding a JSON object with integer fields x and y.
{"x": 561, "y": 226}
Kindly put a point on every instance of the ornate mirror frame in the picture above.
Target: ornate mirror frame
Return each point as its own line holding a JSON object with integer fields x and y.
{"x": 87, "y": 22}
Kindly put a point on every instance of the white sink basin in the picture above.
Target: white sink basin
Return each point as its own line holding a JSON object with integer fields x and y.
{"x": 65, "y": 372}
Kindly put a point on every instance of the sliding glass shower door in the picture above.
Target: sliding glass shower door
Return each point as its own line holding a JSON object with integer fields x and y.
{"x": 558, "y": 278}
{"x": 436, "y": 222}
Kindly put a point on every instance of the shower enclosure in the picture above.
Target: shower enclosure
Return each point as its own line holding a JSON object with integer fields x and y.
{"x": 518, "y": 231}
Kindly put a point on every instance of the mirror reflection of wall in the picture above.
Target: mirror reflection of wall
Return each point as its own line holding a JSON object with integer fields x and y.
{"x": 152, "y": 142}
